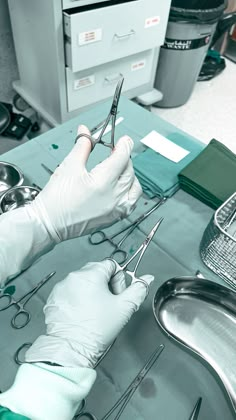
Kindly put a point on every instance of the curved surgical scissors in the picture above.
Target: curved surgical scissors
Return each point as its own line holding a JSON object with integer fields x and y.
{"x": 100, "y": 236}
{"x": 20, "y": 303}
{"x": 127, "y": 395}
{"x": 111, "y": 116}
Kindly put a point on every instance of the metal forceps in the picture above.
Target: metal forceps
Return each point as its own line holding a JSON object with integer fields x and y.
{"x": 20, "y": 303}
{"x": 141, "y": 250}
{"x": 102, "y": 237}
{"x": 111, "y": 116}
{"x": 127, "y": 395}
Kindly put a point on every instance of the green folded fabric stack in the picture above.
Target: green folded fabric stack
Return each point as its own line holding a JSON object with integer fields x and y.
{"x": 159, "y": 175}
{"x": 211, "y": 177}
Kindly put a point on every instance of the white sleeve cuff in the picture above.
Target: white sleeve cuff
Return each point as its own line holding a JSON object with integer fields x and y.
{"x": 23, "y": 239}
{"x": 43, "y": 392}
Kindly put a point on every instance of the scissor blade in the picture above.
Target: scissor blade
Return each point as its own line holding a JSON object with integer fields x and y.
{"x": 116, "y": 98}
{"x": 196, "y": 410}
{"x": 152, "y": 233}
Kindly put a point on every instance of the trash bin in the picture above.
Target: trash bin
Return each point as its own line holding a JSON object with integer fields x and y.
{"x": 191, "y": 26}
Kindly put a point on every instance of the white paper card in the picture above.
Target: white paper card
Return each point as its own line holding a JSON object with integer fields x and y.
{"x": 108, "y": 129}
{"x": 165, "y": 147}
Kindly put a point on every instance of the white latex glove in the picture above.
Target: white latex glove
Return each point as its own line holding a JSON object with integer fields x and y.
{"x": 76, "y": 201}
{"x": 73, "y": 203}
{"x": 83, "y": 317}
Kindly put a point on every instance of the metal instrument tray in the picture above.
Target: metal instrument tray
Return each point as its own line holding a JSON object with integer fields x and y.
{"x": 201, "y": 316}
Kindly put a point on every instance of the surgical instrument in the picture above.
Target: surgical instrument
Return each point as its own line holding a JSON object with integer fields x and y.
{"x": 99, "y": 125}
{"x": 102, "y": 237}
{"x": 111, "y": 116}
{"x": 141, "y": 250}
{"x": 196, "y": 410}
{"x": 20, "y": 303}
{"x": 49, "y": 171}
{"x": 17, "y": 353}
{"x": 127, "y": 395}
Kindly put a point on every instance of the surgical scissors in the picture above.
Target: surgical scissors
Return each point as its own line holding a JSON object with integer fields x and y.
{"x": 111, "y": 116}
{"x": 102, "y": 237}
{"x": 127, "y": 395}
{"x": 20, "y": 303}
{"x": 141, "y": 250}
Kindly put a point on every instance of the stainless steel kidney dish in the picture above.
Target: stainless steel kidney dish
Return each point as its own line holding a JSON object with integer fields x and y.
{"x": 201, "y": 316}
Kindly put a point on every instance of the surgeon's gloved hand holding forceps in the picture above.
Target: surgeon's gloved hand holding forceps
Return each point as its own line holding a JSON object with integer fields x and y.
{"x": 82, "y": 319}
{"x": 111, "y": 116}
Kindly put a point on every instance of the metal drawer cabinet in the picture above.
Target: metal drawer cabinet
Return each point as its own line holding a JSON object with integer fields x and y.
{"x": 106, "y": 31}
{"x": 96, "y": 84}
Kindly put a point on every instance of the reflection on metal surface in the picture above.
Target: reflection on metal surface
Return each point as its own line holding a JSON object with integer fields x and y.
{"x": 201, "y": 315}
{"x": 196, "y": 410}
{"x": 17, "y": 197}
{"x": 10, "y": 176}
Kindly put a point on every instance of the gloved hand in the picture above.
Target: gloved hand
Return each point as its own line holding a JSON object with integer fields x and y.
{"x": 75, "y": 201}
{"x": 83, "y": 317}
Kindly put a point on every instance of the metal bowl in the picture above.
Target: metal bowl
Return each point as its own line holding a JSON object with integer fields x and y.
{"x": 17, "y": 197}
{"x": 10, "y": 176}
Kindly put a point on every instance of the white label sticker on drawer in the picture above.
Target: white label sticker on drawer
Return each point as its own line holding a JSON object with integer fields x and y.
{"x": 89, "y": 37}
{"x": 84, "y": 82}
{"x": 138, "y": 65}
{"x": 152, "y": 21}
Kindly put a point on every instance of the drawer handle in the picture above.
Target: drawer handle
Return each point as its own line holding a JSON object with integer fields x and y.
{"x": 113, "y": 79}
{"x": 131, "y": 33}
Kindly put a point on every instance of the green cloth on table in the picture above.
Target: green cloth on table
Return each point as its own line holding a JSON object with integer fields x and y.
{"x": 6, "y": 414}
{"x": 159, "y": 175}
{"x": 211, "y": 177}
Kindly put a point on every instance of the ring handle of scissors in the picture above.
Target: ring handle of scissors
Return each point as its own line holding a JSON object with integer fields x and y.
{"x": 10, "y": 301}
{"x": 17, "y": 353}
{"x": 25, "y": 314}
{"x": 101, "y": 237}
{"x": 120, "y": 255}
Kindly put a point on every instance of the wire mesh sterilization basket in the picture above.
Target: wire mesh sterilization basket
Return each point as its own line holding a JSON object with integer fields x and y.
{"x": 218, "y": 244}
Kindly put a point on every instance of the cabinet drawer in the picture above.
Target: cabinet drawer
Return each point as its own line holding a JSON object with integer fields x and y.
{"x": 96, "y": 84}
{"x": 105, "y": 32}
{"x": 75, "y": 3}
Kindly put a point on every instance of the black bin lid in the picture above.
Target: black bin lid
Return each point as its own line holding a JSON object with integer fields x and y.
{"x": 201, "y": 11}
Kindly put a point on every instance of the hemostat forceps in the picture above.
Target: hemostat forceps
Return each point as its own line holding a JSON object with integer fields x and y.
{"x": 141, "y": 250}
{"x": 111, "y": 116}
{"x": 127, "y": 395}
{"x": 20, "y": 303}
{"x": 99, "y": 237}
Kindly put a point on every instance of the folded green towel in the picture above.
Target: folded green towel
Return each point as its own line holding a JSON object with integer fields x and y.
{"x": 211, "y": 177}
{"x": 159, "y": 175}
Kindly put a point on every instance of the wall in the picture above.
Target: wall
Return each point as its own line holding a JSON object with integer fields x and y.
{"x": 8, "y": 66}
